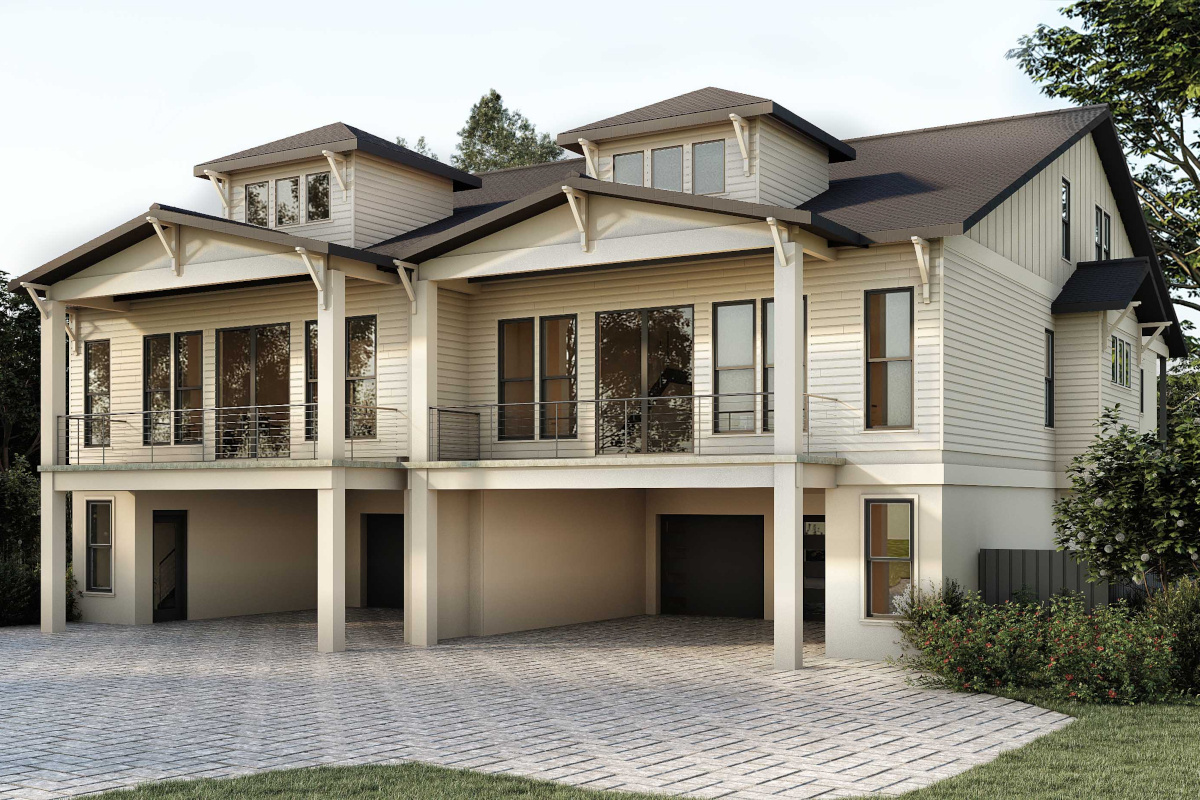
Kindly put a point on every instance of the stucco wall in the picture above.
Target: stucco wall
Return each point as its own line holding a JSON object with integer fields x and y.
{"x": 977, "y": 517}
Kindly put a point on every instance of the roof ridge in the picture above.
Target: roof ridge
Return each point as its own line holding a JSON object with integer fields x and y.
{"x": 990, "y": 121}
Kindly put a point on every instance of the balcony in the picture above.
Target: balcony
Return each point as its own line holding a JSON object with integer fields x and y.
{"x": 269, "y": 434}
{"x": 692, "y": 425}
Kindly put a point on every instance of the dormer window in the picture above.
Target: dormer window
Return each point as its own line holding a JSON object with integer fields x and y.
{"x": 257, "y": 204}
{"x": 708, "y": 167}
{"x": 666, "y": 168}
{"x": 287, "y": 201}
{"x": 629, "y": 168}
{"x": 317, "y": 186}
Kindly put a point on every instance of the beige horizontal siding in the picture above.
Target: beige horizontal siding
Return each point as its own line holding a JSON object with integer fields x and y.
{"x": 391, "y": 199}
{"x": 339, "y": 227}
{"x": 1076, "y": 383}
{"x": 792, "y": 168}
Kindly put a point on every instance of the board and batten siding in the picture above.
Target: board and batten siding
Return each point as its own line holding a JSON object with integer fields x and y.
{"x": 391, "y": 199}
{"x": 339, "y": 228}
{"x": 209, "y": 312}
{"x": 737, "y": 185}
{"x": 1027, "y": 227}
{"x": 791, "y": 168}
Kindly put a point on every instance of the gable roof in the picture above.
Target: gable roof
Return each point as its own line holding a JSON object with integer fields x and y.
{"x": 1103, "y": 286}
{"x": 700, "y": 107}
{"x": 339, "y": 138}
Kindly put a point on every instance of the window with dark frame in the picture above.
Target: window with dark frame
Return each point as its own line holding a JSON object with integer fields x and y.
{"x": 515, "y": 415}
{"x": 189, "y": 388}
{"x": 1048, "y": 369}
{"x": 889, "y": 334}
{"x": 1065, "y": 211}
{"x": 98, "y": 520}
{"x": 317, "y": 197}
{"x": 96, "y": 398}
{"x": 258, "y": 204}
{"x": 768, "y": 380}
{"x": 1141, "y": 391}
{"x": 156, "y": 389}
{"x": 287, "y": 201}
{"x": 310, "y": 380}
{"x": 1103, "y": 234}
{"x": 1107, "y": 250}
{"x": 559, "y": 354}
{"x": 361, "y": 391}
{"x": 1122, "y": 361}
{"x": 666, "y": 168}
{"x": 629, "y": 169}
{"x": 708, "y": 167}
{"x": 733, "y": 367}
{"x": 890, "y": 529}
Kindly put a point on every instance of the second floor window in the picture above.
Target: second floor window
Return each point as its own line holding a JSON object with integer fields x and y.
{"x": 1065, "y": 212}
{"x": 768, "y": 335}
{"x": 629, "y": 168}
{"x": 1103, "y": 235}
{"x": 558, "y": 386}
{"x": 515, "y": 417}
{"x": 1048, "y": 389}
{"x": 96, "y": 393}
{"x": 310, "y": 380}
{"x": 317, "y": 196}
{"x": 258, "y": 204}
{"x": 361, "y": 394}
{"x": 666, "y": 168}
{"x": 287, "y": 201}
{"x": 1122, "y": 362}
{"x": 889, "y": 358}
{"x": 189, "y": 388}
{"x": 708, "y": 167}
{"x": 733, "y": 332}
{"x": 156, "y": 378}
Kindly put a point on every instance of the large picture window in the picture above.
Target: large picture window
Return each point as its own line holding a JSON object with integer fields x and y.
{"x": 889, "y": 358}
{"x": 253, "y": 386}
{"x": 160, "y": 391}
{"x": 99, "y": 546}
{"x": 733, "y": 332}
{"x": 558, "y": 396}
{"x": 889, "y": 549}
{"x": 361, "y": 387}
{"x": 516, "y": 379}
{"x": 96, "y": 405}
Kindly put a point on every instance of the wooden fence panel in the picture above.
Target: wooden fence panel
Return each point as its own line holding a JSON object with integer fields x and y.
{"x": 1005, "y": 574}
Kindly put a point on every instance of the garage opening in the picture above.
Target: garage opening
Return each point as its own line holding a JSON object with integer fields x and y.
{"x": 385, "y": 560}
{"x": 712, "y": 565}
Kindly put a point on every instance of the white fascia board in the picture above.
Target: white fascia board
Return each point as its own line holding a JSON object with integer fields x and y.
{"x": 213, "y": 273}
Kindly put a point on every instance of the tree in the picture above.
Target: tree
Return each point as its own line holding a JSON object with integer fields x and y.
{"x": 20, "y": 346}
{"x": 495, "y": 137}
{"x": 420, "y": 147}
{"x": 1142, "y": 58}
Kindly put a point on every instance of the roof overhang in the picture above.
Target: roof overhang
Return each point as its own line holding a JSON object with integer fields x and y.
{"x": 838, "y": 150}
{"x": 139, "y": 228}
{"x": 553, "y": 196}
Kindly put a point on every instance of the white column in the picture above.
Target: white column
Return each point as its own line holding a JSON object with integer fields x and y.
{"x": 54, "y": 504}
{"x": 331, "y": 563}
{"x": 789, "y": 476}
{"x": 421, "y": 547}
{"x": 422, "y": 349}
{"x": 331, "y": 368}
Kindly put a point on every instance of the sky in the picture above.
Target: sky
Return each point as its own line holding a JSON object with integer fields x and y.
{"x": 109, "y": 105}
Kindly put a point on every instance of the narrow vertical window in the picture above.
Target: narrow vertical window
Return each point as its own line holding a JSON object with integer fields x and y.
{"x": 1122, "y": 362}
{"x": 1107, "y": 238}
{"x": 889, "y": 387}
{"x": 156, "y": 389}
{"x": 257, "y": 204}
{"x": 317, "y": 197}
{"x": 1048, "y": 399}
{"x": 287, "y": 201}
{"x": 516, "y": 379}
{"x": 99, "y": 546}
{"x": 768, "y": 380}
{"x": 629, "y": 169}
{"x": 733, "y": 334}
{"x": 96, "y": 405}
{"x": 558, "y": 377}
{"x": 310, "y": 380}
{"x": 666, "y": 168}
{"x": 708, "y": 167}
{"x": 189, "y": 388}
{"x": 1099, "y": 233}
{"x": 1141, "y": 391}
{"x": 361, "y": 394}
{"x": 1065, "y": 211}
{"x": 889, "y": 549}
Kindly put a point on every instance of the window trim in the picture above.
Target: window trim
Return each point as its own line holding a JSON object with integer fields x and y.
{"x": 678, "y": 147}
{"x": 717, "y": 370}
{"x": 1121, "y": 358}
{"x": 1048, "y": 379}
{"x": 865, "y": 558}
{"x": 253, "y": 359}
{"x": 88, "y": 546}
{"x": 1103, "y": 234}
{"x": 147, "y": 391}
{"x": 911, "y": 358}
{"x": 641, "y": 154}
{"x": 374, "y": 376}
{"x": 723, "y": 166}
{"x": 246, "y": 202}
{"x": 87, "y": 395}
{"x": 1107, "y": 236}
{"x": 329, "y": 203}
{"x": 310, "y": 384}
{"x": 1064, "y": 211}
{"x": 541, "y": 377}
{"x": 299, "y": 179}
{"x": 768, "y": 396}
{"x": 176, "y": 389}
{"x": 501, "y": 380}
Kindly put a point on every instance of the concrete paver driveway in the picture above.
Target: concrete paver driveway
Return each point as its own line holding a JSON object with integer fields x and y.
{"x": 666, "y": 704}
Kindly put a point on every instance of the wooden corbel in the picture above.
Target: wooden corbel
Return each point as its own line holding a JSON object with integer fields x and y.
{"x": 741, "y": 129}
{"x": 579, "y": 209}
{"x": 922, "y": 248}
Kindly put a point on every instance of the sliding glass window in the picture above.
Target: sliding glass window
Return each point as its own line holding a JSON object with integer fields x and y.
{"x": 558, "y": 396}
{"x": 889, "y": 387}
{"x": 515, "y": 417}
{"x": 733, "y": 332}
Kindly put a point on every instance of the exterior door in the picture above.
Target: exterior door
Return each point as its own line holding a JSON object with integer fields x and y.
{"x": 385, "y": 560}
{"x": 254, "y": 386}
{"x": 644, "y": 385}
{"x": 170, "y": 565}
{"x": 712, "y": 565}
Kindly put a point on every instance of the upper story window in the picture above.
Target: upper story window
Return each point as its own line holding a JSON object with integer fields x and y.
{"x": 156, "y": 377}
{"x": 733, "y": 332}
{"x": 310, "y": 380}
{"x": 361, "y": 394}
{"x": 558, "y": 387}
{"x": 708, "y": 167}
{"x": 1103, "y": 235}
{"x": 1048, "y": 370}
{"x": 666, "y": 168}
{"x": 1122, "y": 362}
{"x": 1065, "y": 211}
{"x": 516, "y": 379}
{"x": 96, "y": 393}
{"x": 629, "y": 168}
{"x": 317, "y": 194}
{"x": 258, "y": 204}
{"x": 287, "y": 201}
{"x": 189, "y": 388}
{"x": 768, "y": 346}
{"x": 889, "y": 358}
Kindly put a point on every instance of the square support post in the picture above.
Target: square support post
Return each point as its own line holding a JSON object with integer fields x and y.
{"x": 421, "y": 551}
{"x": 331, "y": 368}
{"x": 789, "y": 475}
{"x": 331, "y": 564}
{"x": 53, "y": 504}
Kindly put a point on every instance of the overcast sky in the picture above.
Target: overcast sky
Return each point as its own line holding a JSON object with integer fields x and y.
{"x": 107, "y": 106}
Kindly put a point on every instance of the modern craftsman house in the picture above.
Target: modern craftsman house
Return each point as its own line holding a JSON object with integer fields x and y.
{"x": 720, "y": 363}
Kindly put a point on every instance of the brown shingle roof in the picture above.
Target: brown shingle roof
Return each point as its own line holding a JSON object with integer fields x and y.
{"x": 708, "y": 99}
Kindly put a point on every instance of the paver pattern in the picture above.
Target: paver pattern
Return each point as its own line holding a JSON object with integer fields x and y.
{"x": 675, "y": 705}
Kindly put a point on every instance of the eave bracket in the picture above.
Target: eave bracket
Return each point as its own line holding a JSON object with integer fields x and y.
{"x": 402, "y": 268}
{"x": 579, "y": 209}
{"x": 221, "y": 183}
{"x": 40, "y": 303}
{"x": 1117, "y": 323}
{"x": 741, "y": 129}
{"x": 778, "y": 236}
{"x": 317, "y": 273}
{"x": 591, "y": 155}
{"x": 172, "y": 248}
{"x": 337, "y": 163}
{"x": 922, "y": 248}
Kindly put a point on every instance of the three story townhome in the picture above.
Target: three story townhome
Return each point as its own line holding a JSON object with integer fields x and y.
{"x": 720, "y": 363}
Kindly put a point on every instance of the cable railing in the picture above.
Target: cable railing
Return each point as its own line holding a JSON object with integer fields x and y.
{"x": 722, "y": 424}
{"x": 233, "y": 433}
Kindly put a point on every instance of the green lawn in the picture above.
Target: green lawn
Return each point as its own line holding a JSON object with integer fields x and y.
{"x": 1144, "y": 752}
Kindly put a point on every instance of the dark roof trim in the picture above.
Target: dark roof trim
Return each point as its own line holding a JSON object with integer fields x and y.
{"x": 138, "y": 229}
{"x": 838, "y": 150}
{"x": 552, "y": 196}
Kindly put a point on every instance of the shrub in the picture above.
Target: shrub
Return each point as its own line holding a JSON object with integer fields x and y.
{"x": 1178, "y": 610}
{"x": 19, "y": 588}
